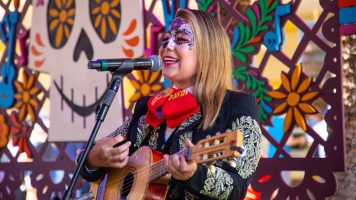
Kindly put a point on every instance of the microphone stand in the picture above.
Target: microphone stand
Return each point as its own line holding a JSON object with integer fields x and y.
{"x": 105, "y": 105}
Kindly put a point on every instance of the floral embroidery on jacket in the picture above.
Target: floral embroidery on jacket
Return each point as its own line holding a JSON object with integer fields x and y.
{"x": 189, "y": 121}
{"x": 122, "y": 130}
{"x": 183, "y": 137}
{"x": 247, "y": 164}
{"x": 142, "y": 131}
{"x": 189, "y": 196}
{"x": 218, "y": 183}
{"x": 153, "y": 142}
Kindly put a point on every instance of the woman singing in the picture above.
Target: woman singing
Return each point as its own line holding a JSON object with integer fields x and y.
{"x": 196, "y": 56}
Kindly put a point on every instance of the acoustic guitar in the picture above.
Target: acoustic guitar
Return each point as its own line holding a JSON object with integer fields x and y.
{"x": 142, "y": 178}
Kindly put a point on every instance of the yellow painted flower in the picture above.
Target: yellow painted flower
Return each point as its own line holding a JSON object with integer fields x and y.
{"x": 26, "y": 96}
{"x": 106, "y": 15}
{"x": 61, "y": 20}
{"x": 4, "y": 131}
{"x": 296, "y": 98}
{"x": 147, "y": 84}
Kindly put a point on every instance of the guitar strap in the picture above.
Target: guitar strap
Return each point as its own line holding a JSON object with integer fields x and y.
{"x": 164, "y": 147}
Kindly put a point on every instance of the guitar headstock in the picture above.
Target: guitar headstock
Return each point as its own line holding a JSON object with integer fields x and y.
{"x": 218, "y": 147}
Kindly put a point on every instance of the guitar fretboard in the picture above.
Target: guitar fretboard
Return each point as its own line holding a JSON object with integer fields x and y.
{"x": 159, "y": 168}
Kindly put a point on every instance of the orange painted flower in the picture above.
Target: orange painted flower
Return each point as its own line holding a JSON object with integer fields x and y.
{"x": 19, "y": 134}
{"x": 106, "y": 15}
{"x": 61, "y": 20}
{"x": 4, "y": 132}
{"x": 296, "y": 98}
{"x": 26, "y": 96}
{"x": 147, "y": 84}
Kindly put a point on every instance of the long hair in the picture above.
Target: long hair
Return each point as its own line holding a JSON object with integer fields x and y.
{"x": 214, "y": 63}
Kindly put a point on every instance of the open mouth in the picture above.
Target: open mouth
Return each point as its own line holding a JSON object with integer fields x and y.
{"x": 168, "y": 60}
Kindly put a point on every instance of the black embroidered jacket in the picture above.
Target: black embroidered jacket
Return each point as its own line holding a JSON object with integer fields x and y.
{"x": 226, "y": 179}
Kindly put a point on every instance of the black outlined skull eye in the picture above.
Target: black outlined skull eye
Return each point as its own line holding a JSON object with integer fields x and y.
{"x": 60, "y": 21}
{"x": 105, "y": 15}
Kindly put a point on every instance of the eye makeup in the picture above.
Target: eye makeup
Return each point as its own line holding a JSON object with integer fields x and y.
{"x": 179, "y": 33}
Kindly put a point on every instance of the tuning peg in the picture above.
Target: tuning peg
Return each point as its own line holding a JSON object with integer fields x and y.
{"x": 206, "y": 144}
{"x": 205, "y": 157}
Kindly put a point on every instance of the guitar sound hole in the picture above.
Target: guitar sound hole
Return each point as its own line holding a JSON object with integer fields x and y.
{"x": 126, "y": 188}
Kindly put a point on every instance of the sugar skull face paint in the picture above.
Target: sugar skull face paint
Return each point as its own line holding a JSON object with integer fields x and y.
{"x": 179, "y": 33}
{"x": 178, "y": 53}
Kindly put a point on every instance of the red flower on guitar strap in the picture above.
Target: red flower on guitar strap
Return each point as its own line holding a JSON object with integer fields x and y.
{"x": 173, "y": 106}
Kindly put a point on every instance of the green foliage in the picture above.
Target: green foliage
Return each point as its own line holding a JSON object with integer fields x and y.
{"x": 252, "y": 83}
{"x": 203, "y": 5}
{"x": 248, "y": 32}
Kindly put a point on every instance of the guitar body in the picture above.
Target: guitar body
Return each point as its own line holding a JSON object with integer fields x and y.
{"x": 7, "y": 88}
{"x": 131, "y": 182}
{"x": 145, "y": 175}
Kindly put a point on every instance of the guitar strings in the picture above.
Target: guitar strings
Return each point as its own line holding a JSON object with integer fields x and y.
{"x": 156, "y": 169}
{"x": 140, "y": 173}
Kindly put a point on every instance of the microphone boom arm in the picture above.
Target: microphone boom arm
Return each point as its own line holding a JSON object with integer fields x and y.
{"x": 105, "y": 105}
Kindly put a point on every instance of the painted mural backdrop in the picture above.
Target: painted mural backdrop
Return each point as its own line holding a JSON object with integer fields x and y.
{"x": 256, "y": 30}
{"x": 65, "y": 35}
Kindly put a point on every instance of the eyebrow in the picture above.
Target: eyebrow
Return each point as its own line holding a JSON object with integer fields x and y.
{"x": 168, "y": 32}
{"x": 182, "y": 32}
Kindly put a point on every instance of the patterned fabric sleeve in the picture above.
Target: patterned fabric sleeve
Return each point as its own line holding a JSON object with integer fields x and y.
{"x": 247, "y": 164}
{"x": 229, "y": 178}
{"x": 122, "y": 130}
{"x": 93, "y": 174}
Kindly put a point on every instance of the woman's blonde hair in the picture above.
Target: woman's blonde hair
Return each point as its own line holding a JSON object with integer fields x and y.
{"x": 214, "y": 63}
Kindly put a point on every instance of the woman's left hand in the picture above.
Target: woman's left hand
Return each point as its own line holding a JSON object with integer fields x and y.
{"x": 178, "y": 167}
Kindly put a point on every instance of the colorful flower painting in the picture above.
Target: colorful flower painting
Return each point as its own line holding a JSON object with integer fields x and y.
{"x": 26, "y": 96}
{"x": 61, "y": 15}
{"x": 20, "y": 134}
{"x": 106, "y": 16}
{"x": 147, "y": 84}
{"x": 297, "y": 97}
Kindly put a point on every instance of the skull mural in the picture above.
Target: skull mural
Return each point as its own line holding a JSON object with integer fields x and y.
{"x": 65, "y": 34}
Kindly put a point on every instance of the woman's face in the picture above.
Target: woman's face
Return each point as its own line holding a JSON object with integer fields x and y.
{"x": 178, "y": 53}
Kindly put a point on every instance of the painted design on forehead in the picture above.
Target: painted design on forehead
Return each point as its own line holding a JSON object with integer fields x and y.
{"x": 180, "y": 25}
{"x": 177, "y": 23}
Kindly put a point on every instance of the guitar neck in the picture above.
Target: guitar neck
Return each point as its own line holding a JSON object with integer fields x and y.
{"x": 207, "y": 150}
{"x": 159, "y": 168}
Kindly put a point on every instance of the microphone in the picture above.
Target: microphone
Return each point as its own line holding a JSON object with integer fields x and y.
{"x": 126, "y": 65}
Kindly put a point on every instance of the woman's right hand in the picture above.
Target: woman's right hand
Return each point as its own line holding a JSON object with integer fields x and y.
{"x": 104, "y": 154}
